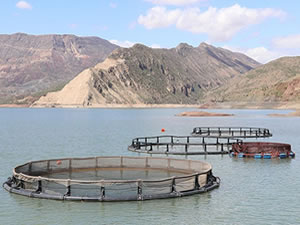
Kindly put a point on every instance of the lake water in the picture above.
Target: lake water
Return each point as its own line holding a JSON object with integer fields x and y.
{"x": 251, "y": 191}
{"x": 114, "y": 174}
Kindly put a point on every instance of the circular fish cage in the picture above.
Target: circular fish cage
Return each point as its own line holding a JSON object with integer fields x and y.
{"x": 204, "y": 141}
{"x": 234, "y": 132}
{"x": 111, "y": 178}
{"x": 262, "y": 150}
{"x": 183, "y": 145}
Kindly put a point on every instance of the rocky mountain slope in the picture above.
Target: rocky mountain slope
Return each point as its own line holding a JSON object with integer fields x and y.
{"x": 276, "y": 81}
{"x": 142, "y": 75}
{"x": 32, "y": 65}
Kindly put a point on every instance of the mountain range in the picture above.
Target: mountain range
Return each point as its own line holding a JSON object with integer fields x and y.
{"x": 67, "y": 70}
{"x": 143, "y": 75}
{"x": 275, "y": 83}
{"x": 32, "y": 65}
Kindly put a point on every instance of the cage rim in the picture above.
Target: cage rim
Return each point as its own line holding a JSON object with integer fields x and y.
{"x": 106, "y": 181}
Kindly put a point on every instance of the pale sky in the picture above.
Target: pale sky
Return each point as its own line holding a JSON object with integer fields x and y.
{"x": 264, "y": 30}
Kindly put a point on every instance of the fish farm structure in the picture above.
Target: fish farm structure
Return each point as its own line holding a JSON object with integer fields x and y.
{"x": 235, "y": 132}
{"x": 213, "y": 141}
{"x": 125, "y": 178}
{"x": 111, "y": 178}
{"x": 182, "y": 145}
{"x": 259, "y": 150}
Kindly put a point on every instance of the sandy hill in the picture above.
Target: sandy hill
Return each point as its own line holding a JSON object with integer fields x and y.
{"x": 31, "y": 65}
{"x": 276, "y": 82}
{"x": 142, "y": 75}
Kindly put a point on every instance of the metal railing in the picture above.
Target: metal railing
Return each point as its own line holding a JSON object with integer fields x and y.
{"x": 182, "y": 145}
{"x": 203, "y": 141}
{"x": 235, "y": 132}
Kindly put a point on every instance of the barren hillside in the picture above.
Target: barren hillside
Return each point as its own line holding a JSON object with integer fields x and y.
{"x": 31, "y": 65}
{"x": 140, "y": 74}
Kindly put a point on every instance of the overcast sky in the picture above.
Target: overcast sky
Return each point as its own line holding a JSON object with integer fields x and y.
{"x": 262, "y": 29}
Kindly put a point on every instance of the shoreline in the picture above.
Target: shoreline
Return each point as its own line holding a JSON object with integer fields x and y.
{"x": 291, "y": 106}
{"x": 229, "y": 105}
{"x": 13, "y": 106}
{"x": 118, "y": 106}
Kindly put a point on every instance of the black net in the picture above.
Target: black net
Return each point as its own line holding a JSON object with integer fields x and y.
{"x": 110, "y": 178}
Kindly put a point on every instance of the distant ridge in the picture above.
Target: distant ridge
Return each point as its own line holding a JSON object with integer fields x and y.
{"x": 142, "y": 75}
{"x": 31, "y": 65}
{"x": 277, "y": 83}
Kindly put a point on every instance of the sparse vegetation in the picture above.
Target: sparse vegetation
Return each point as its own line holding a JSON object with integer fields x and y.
{"x": 277, "y": 81}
